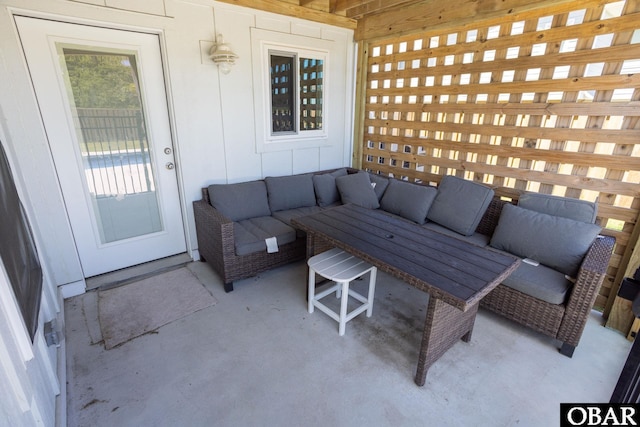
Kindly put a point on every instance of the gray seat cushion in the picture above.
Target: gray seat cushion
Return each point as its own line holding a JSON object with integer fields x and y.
{"x": 540, "y": 282}
{"x": 356, "y": 188}
{"x": 460, "y": 204}
{"x": 289, "y": 214}
{"x": 290, "y": 192}
{"x": 325, "y": 187}
{"x": 240, "y": 201}
{"x": 559, "y": 243}
{"x": 579, "y": 210}
{"x": 410, "y": 201}
{"x": 250, "y": 234}
{"x": 475, "y": 239}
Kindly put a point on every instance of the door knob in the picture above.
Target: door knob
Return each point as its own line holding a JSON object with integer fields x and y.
{"x": 170, "y": 165}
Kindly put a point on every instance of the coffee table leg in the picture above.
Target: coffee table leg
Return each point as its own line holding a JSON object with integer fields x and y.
{"x": 444, "y": 326}
{"x": 311, "y": 249}
{"x": 311, "y": 245}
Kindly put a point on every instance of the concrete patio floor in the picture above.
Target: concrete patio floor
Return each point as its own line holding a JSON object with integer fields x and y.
{"x": 257, "y": 358}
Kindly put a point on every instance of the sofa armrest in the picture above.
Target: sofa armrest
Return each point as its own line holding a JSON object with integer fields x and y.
{"x": 599, "y": 255}
{"x": 584, "y": 292}
{"x": 214, "y": 233}
{"x": 491, "y": 216}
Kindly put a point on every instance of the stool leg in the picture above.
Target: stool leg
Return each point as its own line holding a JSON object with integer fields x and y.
{"x": 343, "y": 307}
{"x": 312, "y": 290}
{"x": 372, "y": 290}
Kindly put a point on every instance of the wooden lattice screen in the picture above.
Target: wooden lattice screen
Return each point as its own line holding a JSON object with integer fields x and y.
{"x": 549, "y": 103}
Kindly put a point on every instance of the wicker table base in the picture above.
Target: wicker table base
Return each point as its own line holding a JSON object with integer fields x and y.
{"x": 455, "y": 274}
{"x": 443, "y": 327}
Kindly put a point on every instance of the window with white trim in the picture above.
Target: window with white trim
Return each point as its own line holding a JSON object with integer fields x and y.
{"x": 291, "y": 85}
{"x": 296, "y": 86}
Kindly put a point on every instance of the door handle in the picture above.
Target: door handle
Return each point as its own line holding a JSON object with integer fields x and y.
{"x": 170, "y": 165}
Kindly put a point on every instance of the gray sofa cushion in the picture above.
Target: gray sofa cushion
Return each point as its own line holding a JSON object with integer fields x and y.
{"x": 580, "y": 210}
{"x": 410, "y": 201}
{"x": 540, "y": 282}
{"x": 290, "y": 192}
{"x": 475, "y": 239}
{"x": 250, "y": 234}
{"x": 289, "y": 214}
{"x": 460, "y": 204}
{"x": 380, "y": 184}
{"x": 557, "y": 242}
{"x": 356, "y": 188}
{"x": 240, "y": 201}
{"x": 325, "y": 186}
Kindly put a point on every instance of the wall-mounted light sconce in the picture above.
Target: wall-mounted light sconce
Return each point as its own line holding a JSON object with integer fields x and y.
{"x": 222, "y": 55}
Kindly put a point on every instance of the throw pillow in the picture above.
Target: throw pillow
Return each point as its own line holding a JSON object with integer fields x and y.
{"x": 356, "y": 188}
{"x": 325, "y": 187}
{"x": 380, "y": 184}
{"x": 557, "y": 242}
{"x": 460, "y": 204}
{"x": 410, "y": 201}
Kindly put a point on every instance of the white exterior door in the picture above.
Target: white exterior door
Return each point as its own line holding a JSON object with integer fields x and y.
{"x": 102, "y": 97}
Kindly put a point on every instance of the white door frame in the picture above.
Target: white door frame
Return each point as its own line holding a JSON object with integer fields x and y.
{"x": 170, "y": 134}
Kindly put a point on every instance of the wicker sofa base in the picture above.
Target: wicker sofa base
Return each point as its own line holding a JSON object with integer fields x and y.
{"x": 524, "y": 309}
{"x": 216, "y": 247}
{"x": 216, "y": 244}
{"x": 250, "y": 265}
{"x": 564, "y": 322}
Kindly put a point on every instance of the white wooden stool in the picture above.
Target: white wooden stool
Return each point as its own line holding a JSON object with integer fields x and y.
{"x": 340, "y": 267}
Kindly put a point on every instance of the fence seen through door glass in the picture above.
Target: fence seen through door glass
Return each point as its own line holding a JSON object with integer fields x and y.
{"x": 113, "y": 143}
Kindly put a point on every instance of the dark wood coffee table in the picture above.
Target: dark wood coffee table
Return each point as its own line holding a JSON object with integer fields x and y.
{"x": 454, "y": 273}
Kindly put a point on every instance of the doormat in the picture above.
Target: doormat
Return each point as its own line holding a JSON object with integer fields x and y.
{"x": 128, "y": 311}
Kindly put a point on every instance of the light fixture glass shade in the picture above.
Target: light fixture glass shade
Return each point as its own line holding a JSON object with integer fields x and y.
{"x": 222, "y": 55}
{"x": 224, "y": 67}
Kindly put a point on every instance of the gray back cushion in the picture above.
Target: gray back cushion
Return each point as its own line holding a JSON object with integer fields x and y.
{"x": 380, "y": 184}
{"x": 250, "y": 235}
{"x": 410, "y": 201}
{"x": 325, "y": 187}
{"x": 580, "y": 210}
{"x": 290, "y": 192}
{"x": 240, "y": 201}
{"x": 356, "y": 188}
{"x": 460, "y": 204}
{"x": 557, "y": 242}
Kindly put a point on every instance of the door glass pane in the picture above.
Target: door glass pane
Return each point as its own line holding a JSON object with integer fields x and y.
{"x": 112, "y": 136}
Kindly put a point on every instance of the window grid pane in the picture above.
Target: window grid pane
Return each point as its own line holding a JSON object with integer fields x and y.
{"x": 282, "y": 92}
{"x": 311, "y": 78}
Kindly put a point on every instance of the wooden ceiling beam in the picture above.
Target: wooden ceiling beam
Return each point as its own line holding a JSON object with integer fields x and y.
{"x": 426, "y": 15}
{"x": 335, "y": 7}
{"x": 322, "y": 5}
{"x": 341, "y": 6}
{"x": 361, "y": 8}
{"x": 296, "y": 11}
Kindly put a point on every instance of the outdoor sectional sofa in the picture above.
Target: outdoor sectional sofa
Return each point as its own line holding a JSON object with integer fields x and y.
{"x": 239, "y": 226}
